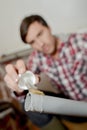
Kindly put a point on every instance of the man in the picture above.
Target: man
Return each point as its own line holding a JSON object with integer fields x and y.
{"x": 65, "y": 63}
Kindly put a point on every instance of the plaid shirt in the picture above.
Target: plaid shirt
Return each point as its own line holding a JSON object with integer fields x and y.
{"x": 69, "y": 71}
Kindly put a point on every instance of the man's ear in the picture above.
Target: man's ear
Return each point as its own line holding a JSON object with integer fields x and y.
{"x": 49, "y": 28}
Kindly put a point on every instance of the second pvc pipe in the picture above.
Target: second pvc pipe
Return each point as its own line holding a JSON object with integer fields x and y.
{"x": 55, "y": 105}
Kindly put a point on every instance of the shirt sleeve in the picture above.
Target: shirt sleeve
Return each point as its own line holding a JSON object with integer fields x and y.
{"x": 78, "y": 73}
{"x": 79, "y": 47}
{"x": 33, "y": 63}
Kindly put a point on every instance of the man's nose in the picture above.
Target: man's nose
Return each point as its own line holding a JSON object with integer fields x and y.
{"x": 40, "y": 43}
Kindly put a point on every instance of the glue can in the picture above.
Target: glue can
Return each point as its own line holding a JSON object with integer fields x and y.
{"x": 27, "y": 80}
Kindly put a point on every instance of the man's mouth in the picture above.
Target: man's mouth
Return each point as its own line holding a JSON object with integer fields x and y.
{"x": 46, "y": 48}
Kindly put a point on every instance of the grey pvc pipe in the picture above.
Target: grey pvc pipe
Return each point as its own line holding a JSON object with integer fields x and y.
{"x": 55, "y": 105}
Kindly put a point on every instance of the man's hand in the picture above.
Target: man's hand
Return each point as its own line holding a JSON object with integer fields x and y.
{"x": 12, "y": 75}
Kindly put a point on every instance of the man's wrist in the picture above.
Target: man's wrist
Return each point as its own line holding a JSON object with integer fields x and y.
{"x": 20, "y": 94}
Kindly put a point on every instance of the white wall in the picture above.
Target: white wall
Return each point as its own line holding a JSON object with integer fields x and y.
{"x": 62, "y": 15}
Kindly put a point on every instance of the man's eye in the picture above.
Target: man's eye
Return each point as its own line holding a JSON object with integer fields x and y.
{"x": 32, "y": 42}
{"x": 40, "y": 33}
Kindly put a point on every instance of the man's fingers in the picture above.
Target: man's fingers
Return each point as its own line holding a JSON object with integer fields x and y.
{"x": 12, "y": 72}
{"x": 20, "y": 65}
{"x": 11, "y": 84}
{"x": 12, "y": 75}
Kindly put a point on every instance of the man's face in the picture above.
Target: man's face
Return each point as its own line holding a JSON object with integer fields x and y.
{"x": 40, "y": 38}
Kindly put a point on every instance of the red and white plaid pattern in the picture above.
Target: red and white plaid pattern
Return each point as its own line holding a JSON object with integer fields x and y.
{"x": 69, "y": 71}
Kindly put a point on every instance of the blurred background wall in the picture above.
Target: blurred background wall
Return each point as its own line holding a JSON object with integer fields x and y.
{"x": 64, "y": 16}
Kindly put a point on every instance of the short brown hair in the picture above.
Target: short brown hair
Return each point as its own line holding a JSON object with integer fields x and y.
{"x": 27, "y": 21}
